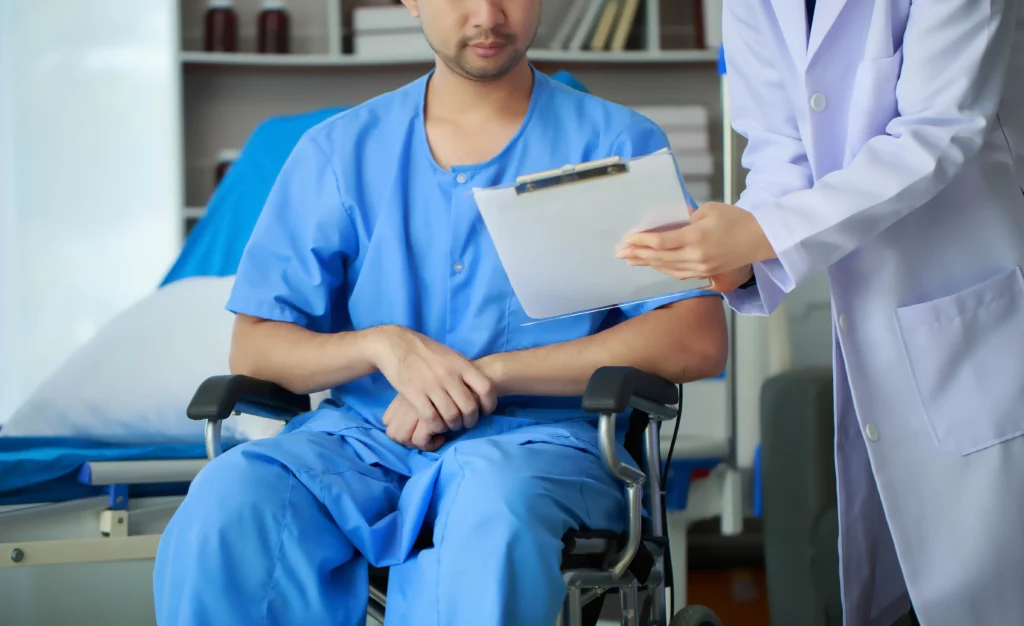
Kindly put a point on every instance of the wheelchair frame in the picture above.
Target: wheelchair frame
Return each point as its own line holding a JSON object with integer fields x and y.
{"x": 629, "y": 563}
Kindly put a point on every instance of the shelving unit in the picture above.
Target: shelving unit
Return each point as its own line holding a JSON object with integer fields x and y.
{"x": 225, "y": 96}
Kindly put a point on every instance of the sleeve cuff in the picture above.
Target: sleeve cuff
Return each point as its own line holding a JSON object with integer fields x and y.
{"x": 271, "y": 310}
{"x": 772, "y": 283}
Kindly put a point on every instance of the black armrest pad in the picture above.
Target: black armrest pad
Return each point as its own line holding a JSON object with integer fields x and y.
{"x": 610, "y": 389}
{"x": 219, "y": 396}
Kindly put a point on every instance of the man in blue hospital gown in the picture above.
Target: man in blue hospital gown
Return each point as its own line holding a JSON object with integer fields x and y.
{"x": 371, "y": 273}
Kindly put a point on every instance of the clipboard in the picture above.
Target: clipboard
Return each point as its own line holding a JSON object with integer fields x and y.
{"x": 557, "y": 233}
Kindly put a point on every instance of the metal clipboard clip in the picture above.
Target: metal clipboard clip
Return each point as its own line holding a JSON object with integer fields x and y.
{"x": 568, "y": 174}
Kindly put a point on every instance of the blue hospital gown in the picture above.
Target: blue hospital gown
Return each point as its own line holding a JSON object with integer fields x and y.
{"x": 364, "y": 228}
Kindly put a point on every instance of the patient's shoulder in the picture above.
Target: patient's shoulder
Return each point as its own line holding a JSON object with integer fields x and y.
{"x": 583, "y": 114}
{"x": 370, "y": 122}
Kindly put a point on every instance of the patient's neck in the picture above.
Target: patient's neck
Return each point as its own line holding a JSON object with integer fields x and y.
{"x": 454, "y": 97}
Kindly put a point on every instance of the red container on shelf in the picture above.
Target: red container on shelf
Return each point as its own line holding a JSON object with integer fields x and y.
{"x": 221, "y": 27}
{"x": 272, "y": 37}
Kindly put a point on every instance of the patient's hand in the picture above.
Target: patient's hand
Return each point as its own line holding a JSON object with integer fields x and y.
{"x": 443, "y": 389}
{"x": 405, "y": 426}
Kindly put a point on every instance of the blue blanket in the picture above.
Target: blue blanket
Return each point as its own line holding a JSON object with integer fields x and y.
{"x": 215, "y": 245}
{"x": 42, "y": 469}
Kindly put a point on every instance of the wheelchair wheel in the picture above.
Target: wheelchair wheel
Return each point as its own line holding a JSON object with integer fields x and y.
{"x": 695, "y": 615}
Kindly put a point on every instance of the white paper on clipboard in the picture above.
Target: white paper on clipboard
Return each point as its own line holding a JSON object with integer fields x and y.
{"x": 557, "y": 233}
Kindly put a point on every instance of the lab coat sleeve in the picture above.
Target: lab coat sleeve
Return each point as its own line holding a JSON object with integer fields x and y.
{"x": 955, "y": 58}
{"x": 775, "y": 156}
{"x": 293, "y": 266}
{"x": 641, "y": 138}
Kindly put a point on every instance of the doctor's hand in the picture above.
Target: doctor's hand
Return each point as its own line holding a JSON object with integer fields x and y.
{"x": 720, "y": 242}
{"x": 446, "y": 390}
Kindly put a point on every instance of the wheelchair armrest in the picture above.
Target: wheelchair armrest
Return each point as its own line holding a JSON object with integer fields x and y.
{"x": 613, "y": 389}
{"x": 610, "y": 391}
{"x": 218, "y": 397}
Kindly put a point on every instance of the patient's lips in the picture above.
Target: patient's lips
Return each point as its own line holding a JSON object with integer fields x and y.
{"x": 488, "y": 48}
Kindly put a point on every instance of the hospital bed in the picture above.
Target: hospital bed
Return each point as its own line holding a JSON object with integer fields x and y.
{"x": 85, "y": 517}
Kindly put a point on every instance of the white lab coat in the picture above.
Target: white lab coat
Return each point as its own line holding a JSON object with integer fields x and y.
{"x": 888, "y": 146}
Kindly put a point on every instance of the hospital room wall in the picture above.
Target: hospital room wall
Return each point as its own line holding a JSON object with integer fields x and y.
{"x": 89, "y": 172}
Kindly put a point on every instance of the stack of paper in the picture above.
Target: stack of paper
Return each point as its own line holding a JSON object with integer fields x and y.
{"x": 388, "y": 32}
{"x": 688, "y": 134}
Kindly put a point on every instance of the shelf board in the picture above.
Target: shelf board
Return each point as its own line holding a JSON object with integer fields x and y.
{"x": 354, "y": 60}
{"x": 194, "y": 212}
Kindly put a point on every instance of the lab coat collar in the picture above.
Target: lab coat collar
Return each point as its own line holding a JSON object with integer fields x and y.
{"x": 826, "y": 12}
{"x": 792, "y": 17}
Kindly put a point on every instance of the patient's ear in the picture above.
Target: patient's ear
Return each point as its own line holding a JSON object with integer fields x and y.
{"x": 413, "y": 6}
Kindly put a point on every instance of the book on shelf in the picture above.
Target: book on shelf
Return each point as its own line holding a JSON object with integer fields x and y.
{"x": 596, "y": 25}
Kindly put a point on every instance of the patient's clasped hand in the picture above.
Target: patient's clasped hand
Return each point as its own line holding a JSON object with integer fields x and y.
{"x": 439, "y": 390}
{"x": 370, "y": 273}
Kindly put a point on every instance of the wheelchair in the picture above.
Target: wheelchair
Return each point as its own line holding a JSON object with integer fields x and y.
{"x": 595, "y": 563}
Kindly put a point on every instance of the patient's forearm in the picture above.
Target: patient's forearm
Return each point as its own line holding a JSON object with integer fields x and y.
{"x": 681, "y": 343}
{"x": 299, "y": 360}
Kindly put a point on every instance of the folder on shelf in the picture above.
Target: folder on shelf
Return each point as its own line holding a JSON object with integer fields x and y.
{"x": 625, "y": 25}
{"x": 603, "y": 30}
{"x": 557, "y": 233}
{"x": 587, "y": 24}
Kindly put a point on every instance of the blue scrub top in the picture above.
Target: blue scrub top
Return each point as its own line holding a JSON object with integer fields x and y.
{"x": 364, "y": 228}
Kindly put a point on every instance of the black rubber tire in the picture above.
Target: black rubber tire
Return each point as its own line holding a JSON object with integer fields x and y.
{"x": 695, "y": 615}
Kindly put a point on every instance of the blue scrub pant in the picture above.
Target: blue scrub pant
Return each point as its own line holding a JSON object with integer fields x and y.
{"x": 280, "y": 531}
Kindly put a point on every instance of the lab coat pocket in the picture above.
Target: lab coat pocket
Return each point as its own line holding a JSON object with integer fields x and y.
{"x": 873, "y": 101}
{"x": 966, "y": 356}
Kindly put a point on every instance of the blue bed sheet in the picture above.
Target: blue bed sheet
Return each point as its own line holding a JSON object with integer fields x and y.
{"x": 215, "y": 245}
{"x": 46, "y": 469}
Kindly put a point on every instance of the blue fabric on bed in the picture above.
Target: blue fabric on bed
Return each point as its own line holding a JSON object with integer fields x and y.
{"x": 214, "y": 247}
{"x": 66, "y": 491}
{"x": 36, "y": 469}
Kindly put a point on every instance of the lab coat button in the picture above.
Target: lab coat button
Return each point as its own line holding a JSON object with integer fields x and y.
{"x": 461, "y": 178}
{"x": 842, "y": 322}
{"x": 818, "y": 102}
{"x": 871, "y": 432}
{"x": 458, "y": 267}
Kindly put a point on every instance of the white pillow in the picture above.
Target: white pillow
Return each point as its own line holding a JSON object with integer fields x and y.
{"x": 132, "y": 382}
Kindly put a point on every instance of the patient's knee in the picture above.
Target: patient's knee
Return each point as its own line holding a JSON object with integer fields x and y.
{"x": 238, "y": 485}
{"x": 511, "y": 496}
